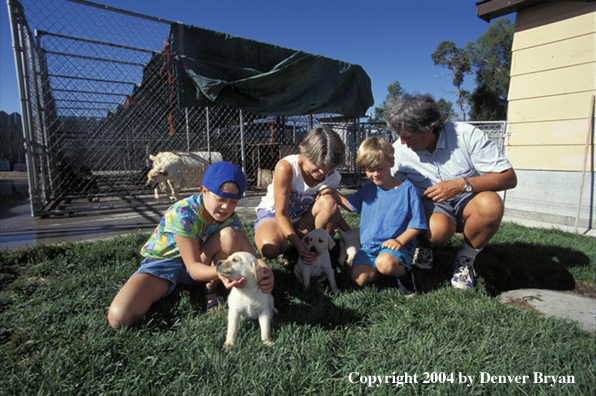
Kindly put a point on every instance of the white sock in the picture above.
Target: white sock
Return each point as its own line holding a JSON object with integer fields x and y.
{"x": 468, "y": 251}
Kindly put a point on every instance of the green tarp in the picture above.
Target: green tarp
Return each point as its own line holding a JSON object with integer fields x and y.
{"x": 214, "y": 68}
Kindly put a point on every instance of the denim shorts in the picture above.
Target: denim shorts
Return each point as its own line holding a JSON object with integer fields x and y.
{"x": 264, "y": 214}
{"x": 404, "y": 256}
{"x": 170, "y": 269}
{"x": 452, "y": 208}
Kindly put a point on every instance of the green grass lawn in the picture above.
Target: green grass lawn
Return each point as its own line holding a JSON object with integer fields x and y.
{"x": 55, "y": 339}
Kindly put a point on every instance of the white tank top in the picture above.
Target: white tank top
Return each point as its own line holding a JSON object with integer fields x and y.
{"x": 301, "y": 195}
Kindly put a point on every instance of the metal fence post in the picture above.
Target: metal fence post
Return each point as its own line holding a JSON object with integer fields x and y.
{"x": 208, "y": 134}
{"x": 23, "y": 83}
{"x": 242, "y": 142}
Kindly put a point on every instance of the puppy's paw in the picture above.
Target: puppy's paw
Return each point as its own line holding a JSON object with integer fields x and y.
{"x": 227, "y": 346}
{"x": 267, "y": 344}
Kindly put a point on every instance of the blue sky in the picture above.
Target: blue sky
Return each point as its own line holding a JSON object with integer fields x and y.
{"x": 390, "y": 39}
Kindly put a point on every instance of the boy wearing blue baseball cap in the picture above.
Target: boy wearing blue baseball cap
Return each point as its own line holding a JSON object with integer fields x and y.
{"x": 192, "y": 236}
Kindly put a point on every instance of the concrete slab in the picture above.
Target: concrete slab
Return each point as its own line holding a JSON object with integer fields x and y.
{"x": 558, "y": 304}
{"x": 18, "y": 228}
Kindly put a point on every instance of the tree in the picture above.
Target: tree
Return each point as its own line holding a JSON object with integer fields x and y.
{"x": 447, "y": 109}
{"x": 490, "y": 57}
{"x": 455, "y": 60}
{"x": 395, "y": 94}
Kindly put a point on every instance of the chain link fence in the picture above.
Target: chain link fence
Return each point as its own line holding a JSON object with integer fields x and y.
{"x": 98, "y": 98}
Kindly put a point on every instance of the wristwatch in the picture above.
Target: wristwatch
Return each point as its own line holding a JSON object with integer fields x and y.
{"x": 468, "y": 188}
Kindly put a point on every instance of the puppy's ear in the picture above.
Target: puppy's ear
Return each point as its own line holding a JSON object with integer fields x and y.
{"x": 331, "y": 242}
{"x": 304, "y": 238}
{"x": 258, "y": 271}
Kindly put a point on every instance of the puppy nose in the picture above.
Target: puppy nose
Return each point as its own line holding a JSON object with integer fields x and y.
{"x": 313, "y": 249}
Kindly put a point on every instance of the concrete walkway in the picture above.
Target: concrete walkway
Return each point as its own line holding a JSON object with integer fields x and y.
{"x": 554, "y": 303}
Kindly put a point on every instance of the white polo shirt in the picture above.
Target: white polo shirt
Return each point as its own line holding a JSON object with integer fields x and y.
{"x": 462, "y": 151}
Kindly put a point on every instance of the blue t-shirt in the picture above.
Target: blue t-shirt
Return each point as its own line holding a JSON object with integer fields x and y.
{"x": 386, "y": 214}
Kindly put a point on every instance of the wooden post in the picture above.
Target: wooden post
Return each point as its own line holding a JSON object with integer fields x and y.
{"x": 586, "y": 151}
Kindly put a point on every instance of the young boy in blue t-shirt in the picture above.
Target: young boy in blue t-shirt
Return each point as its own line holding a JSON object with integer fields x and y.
{"x": 391, "y": 217}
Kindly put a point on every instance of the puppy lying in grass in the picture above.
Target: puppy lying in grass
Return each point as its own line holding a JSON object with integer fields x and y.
{"x": 319, "y": 243}
{"x": 247, "y": 302}
{"x": 349, "y": 245}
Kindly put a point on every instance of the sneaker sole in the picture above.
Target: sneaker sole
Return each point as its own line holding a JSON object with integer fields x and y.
{"x": 406, "y": 292}
{"x": 461, "y": 286}
{"x": 424, "y": 266}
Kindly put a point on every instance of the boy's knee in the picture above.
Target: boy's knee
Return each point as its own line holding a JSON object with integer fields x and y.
{"x": 387, "y": 264}
{"x": 229, "y": 239}
{"x": 115, "y": 318}
{"x": 361, "y": 277}
{"x": 229, "y": 233}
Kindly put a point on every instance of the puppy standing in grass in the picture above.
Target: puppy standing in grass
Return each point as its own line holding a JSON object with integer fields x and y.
{"x": 193, "y": 235}
{"x": 247, "y": 302}
{"x": 319, "y": 244}
{"x": 391, "y": 217}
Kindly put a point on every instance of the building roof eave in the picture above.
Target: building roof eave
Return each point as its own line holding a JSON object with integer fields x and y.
{"x": 491, "y": 9}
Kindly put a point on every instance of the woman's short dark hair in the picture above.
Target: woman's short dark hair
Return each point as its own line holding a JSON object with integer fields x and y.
{"x": 416, "y": 115}
{"x": 323, "y": 147}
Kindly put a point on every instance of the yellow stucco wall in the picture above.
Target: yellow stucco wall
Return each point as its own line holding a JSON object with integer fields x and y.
{"x": 553, "y": 79}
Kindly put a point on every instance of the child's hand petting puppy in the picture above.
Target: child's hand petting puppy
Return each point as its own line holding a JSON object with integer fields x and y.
{"x": 393, "y": 244}
{"x": 229, "y": 283}
{"x": 266, "y": 284}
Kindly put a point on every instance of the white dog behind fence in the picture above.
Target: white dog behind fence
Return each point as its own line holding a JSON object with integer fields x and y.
{"x": 178, "y": 170}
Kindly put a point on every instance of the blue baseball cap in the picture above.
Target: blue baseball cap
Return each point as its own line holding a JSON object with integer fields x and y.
{"x": 221, "y": 172}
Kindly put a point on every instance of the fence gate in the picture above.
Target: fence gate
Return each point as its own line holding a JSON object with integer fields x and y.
{"x": 96, "y": 94}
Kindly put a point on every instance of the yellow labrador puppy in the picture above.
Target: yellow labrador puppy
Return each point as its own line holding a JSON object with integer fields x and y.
{"x": 247, "y": 302}
{"x": 348, "y": 246}
{"x": 319, "y": 243}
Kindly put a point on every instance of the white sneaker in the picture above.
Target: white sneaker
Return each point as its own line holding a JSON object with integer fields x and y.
{"x": 423, "y": 257}
{"x": 463, "y": 276}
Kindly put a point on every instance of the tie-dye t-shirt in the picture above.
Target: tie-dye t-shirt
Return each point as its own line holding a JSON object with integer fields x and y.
{"x": 184, "y": 218}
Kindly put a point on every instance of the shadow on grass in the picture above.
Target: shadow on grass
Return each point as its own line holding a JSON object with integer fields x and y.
{"x": 508, "y": 266}
{"x": 315, "y": 306}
